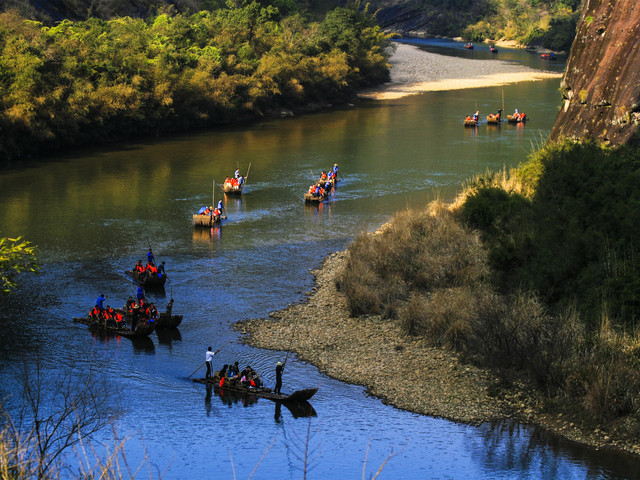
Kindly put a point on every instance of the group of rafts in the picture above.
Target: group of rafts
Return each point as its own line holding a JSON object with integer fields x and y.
{"x": 208, "y": 216}
{"x": 495, "y": 118}
{"x": 139, "y": 317}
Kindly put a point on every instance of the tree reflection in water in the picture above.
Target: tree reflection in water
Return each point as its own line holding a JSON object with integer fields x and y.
{"x": 509, "y": 446}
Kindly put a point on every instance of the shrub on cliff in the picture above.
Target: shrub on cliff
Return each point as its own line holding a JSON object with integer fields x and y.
{"x": 574, "y": 239}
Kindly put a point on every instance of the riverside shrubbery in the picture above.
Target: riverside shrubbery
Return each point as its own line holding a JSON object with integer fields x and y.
{"x": 94, "y": 80}
{"x": 532, "y": 270}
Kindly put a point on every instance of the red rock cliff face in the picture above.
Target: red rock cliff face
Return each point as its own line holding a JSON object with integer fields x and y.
{"x": 601, "y": 84}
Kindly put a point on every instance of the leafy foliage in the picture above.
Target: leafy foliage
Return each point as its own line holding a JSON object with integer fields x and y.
{"x": 549, "y": 23}
{"x": 576, "y": 238}
{"x": 80, "y": 82}
{"x": 16, "y": 256}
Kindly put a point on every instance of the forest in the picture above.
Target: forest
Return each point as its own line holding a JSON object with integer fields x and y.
{"x": 94, "y": 80}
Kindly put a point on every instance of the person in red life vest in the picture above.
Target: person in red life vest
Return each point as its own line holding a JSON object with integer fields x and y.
{"x": 119, "y": 318}
{"x": 139, "y": 268}
{"x": 152, "y": 269}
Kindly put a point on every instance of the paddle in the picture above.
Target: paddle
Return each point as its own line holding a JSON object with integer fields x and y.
{"x": 247, "y": 175}
{"x": 215, "y": 353}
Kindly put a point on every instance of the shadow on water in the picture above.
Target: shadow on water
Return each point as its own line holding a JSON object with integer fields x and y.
{"x": 230, "y": 398}
{"x": 166, "y": 336}
{"x": 143, "y": 345}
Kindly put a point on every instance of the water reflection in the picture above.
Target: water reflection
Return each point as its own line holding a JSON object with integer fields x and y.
{"x": 207, "y": 235}
{"x": 143, "y": 346}
{"x": 166, "y": 336}
{"x": 512, "y": 447}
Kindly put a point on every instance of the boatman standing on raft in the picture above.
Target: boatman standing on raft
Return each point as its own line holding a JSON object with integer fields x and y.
{"x": 279, "y": 369}
{"x": 208, "y": 360}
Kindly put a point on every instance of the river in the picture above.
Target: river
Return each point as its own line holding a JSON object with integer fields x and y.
{"x": 94, "y": 212}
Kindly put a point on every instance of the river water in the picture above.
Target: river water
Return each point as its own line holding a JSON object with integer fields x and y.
{"x": 93, "y": 213}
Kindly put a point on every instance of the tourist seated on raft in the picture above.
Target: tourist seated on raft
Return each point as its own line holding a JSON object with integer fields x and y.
{"x": 205, "y": 211}
{"x": 139, "y": 268}
{"x": 468, "y": 119}
{"x": 151, "y": 270}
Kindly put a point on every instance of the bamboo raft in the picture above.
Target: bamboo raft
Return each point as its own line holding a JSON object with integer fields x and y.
{"x": 513, "y": 119}
{"x": 236, "y": 189}
{"x": 262, "y": 392}
{"x": 232, "y": 189}
{"x": 147, "y": 280}
{"x": 470, "y": 123}
{"x": 311, "y": 198}
{"x": 142, "y": 329}
{"x": 207, "y": 220}
{"x": 494, "y": 118}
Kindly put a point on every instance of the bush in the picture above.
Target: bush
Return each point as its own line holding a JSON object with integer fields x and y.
{"x": 418, "y": 251}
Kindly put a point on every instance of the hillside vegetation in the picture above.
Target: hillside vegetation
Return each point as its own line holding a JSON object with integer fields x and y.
{"x": 547, "y": 23}
{"x": 534, "y": 271}
{"x": 87, "y": 81}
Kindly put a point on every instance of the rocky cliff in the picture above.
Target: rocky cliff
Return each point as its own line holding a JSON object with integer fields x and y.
{"x": 601, "y": 83}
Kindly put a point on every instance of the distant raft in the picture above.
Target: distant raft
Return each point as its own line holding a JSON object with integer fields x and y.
{"x": 517, "y": 118}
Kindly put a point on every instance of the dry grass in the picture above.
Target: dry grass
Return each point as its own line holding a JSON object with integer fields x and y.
{"x": 430, "y": 271}
{"x": 418, "y": 251}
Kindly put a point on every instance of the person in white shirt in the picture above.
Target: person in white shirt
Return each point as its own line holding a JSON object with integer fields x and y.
{"x": 208, "y": 360}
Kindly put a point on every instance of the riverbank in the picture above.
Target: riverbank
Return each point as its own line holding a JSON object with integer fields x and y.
{"x": 405, "y": 371}
{"x": 415, "y": 71}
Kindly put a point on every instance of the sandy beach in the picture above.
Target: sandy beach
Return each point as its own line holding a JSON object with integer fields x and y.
{"x": 415, "y": 71}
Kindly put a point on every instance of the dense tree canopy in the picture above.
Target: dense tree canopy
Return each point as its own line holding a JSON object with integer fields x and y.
{"x": 91, "y": 80}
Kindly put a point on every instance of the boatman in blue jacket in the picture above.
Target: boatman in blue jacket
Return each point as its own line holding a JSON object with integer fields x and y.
{"x": 100, "y": 301}
{"x": 150, "y": 258}
{"x": 220, "y": 206}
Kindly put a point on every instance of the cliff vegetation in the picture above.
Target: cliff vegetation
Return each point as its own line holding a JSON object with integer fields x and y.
{"x": 87, "y": 81}
{"x": 547, "y": 23}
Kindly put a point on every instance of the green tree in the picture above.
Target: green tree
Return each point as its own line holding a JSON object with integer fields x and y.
{"x": 16, "y": 256}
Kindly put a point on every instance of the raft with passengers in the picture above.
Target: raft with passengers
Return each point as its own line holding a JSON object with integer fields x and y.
{"x": 249, "y": 382}
{"x": 116, "y": 320}
{"x": 235, "y": 184}
{"x": 138, "y": 318}
{"x": 149, "y": 275}
{"x": 209, "y": 216}
{"x": 322, "y": 188}
{"x": 517, "y": 117}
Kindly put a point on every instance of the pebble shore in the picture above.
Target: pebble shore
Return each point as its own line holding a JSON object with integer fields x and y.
{"x": 405, "y": 371}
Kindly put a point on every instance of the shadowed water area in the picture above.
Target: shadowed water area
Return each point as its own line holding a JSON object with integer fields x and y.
{"x": 94, "y": 213}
